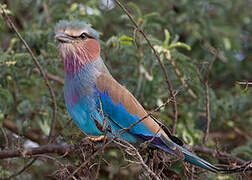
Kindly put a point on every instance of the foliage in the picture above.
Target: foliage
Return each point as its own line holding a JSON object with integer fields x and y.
{"x": 187, "y": 32}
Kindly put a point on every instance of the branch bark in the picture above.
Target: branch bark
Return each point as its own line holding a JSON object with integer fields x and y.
{"x": 50, "y": 148}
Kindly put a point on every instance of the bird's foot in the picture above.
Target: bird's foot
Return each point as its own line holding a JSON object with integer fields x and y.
{"x": 97, "y": 138}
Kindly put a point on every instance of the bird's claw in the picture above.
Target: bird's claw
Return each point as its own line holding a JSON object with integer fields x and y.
{"x": 97, "y": 138}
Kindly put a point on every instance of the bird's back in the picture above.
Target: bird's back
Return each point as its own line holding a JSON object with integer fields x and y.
{"x": 93, "y": 87}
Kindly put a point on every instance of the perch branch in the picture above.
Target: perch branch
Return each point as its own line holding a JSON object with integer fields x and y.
{"x": 50, "y": 148}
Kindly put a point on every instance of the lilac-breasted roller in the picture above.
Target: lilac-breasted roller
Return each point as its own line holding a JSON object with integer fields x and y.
{"x": 96, "y": 101}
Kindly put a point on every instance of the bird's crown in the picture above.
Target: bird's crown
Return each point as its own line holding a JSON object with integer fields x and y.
{"x": 76, "y": 29}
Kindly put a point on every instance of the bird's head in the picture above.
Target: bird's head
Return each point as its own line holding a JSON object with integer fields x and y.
{"x": 78, "y": 43}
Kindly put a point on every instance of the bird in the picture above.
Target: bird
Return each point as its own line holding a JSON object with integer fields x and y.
{"x": 100, "y": 106}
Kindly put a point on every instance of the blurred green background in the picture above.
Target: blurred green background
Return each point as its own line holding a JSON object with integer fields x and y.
{"x": 186, "y": 32}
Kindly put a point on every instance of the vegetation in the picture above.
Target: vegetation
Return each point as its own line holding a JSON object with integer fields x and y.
{"x": 205, "y": 47}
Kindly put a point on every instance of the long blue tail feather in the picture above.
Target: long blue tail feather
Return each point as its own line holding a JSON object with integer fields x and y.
{"x": 174, "y": 148}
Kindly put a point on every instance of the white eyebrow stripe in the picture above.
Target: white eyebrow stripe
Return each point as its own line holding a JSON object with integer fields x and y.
{"x": 74, "y": 32}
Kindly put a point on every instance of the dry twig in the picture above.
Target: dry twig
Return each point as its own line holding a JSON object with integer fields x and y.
{"x": 205, "y": 82}
{"x": 29, "y": 134}
{"x": 175, "y": 111}
{"x": 216, "y": 153}
{"x": 23, "y": 169}
{"x": 5, "y": 138}
{"x": 245, "y": 83}
{"x": 113, "y": 139}
{"x": 52, "y": 77}
{"x": 181, "y": 78}
{"x": 11, "y": 25}
{"x": 139, "y": 157}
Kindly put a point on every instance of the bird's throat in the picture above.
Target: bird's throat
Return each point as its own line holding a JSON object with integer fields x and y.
{"x": 77, "y": 56}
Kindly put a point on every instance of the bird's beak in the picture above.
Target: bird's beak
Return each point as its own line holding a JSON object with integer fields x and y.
{"x": 63, "y": 37}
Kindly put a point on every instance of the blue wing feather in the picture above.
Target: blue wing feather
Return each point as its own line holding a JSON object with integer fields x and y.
{"x": 119, "y": 115}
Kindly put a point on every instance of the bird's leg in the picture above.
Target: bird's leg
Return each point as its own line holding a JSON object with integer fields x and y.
{"x": 97, "y": 138}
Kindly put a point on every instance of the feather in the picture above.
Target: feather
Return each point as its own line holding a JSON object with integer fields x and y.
{"x": 120, "y": 95}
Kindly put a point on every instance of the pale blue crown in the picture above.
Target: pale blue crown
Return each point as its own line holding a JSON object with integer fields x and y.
{"x": 63, "y": 24}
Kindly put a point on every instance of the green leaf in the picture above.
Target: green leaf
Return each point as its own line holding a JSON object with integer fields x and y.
{"x": 150, "y": 15}
{"x": 180, "y": 45}
{"x": 125, "y": 40}
{"x": 21, "y": 56}
{"x": 167, "y": 37}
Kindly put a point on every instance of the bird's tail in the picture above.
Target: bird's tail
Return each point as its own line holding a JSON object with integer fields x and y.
{"x": 174, "y": 148}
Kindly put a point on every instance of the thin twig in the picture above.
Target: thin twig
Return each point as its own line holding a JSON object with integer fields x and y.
{"x": 29, "y": 134}
{"x": 115, "y": 138}
{"x": 8, "y": 21}
{"x": 245, "y": 83}
{"x": 207, "y": 46}
{"x": 52, "y": 77}
{"x": 175, "y": 112}
{"x": 5, "y": 138}
{"x": 23, "y": 169}
{"x": 208, "y": 118}
{"x": 205, "y": 82}
{"x": 132, "y": 148}
{"x": 48, "y": 157}
{"x": 217, "y": 154}
{"x": 60, "y": 131}
{"x": 99, "y": 161}
{"x": 181, "y": 78}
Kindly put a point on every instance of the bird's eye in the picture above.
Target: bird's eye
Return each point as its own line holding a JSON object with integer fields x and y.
{"x": 83, "y": 36}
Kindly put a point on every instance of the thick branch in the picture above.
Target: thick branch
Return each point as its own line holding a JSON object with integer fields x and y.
{"x": 58, "y": 149}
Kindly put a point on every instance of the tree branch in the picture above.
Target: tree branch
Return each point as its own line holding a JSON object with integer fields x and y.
{"x": 23, "y": 169}
{"x": 205, "y": 82}
{"x": 36, "y": 137}
{"x": 215, "y": 153}
{"x": 11, "y": 26}
{"x": 169, "y": 84}
{"x": 50, "y": 148}
{"x": 52, "y": 77}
